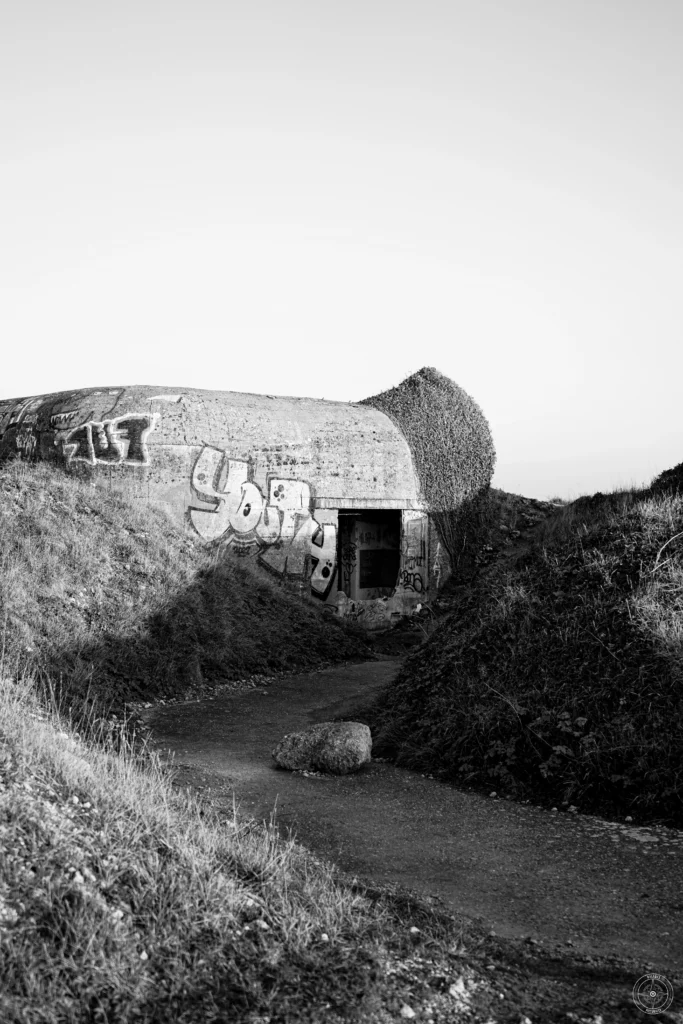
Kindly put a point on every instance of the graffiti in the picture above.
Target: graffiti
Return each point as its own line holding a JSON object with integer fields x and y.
{"x": 16, "y": 414}
{"x": 119, "y": 440}
{"x": 26, "y": 441}
{"x": 437, "y": 565}
{"x": 25, "y": 412}
{"x": 63, "y": 420}
{"x": 413, "y": 552}
{"x": 372, "y": 614}
{"x": 413, "y": 547}
{"x": 282, "y": 528}
{"x": 411, "y": 581}
{"x": 22, "y": 419}
{"x": 348, "y": 560}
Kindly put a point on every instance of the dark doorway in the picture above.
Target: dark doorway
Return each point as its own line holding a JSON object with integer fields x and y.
{"x": 369, "y": 553}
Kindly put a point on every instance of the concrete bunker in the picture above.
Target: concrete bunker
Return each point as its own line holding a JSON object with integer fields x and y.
{"x": 362, "y": 505}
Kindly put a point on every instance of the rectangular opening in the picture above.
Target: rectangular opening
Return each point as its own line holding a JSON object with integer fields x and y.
{"x": 369, "y": 553}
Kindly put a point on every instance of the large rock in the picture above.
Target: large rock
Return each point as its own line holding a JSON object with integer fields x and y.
{"x": 338, "y": 747}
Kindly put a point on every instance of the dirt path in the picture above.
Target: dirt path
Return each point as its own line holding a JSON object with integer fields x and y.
{"x": 602, "y": 888}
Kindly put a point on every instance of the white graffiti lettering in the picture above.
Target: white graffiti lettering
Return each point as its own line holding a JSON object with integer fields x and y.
{"x": 113, "y": 441}
{"x": 282, "y": 529}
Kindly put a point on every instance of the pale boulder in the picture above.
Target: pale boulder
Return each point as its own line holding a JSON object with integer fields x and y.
{"x": 337, "y": 747}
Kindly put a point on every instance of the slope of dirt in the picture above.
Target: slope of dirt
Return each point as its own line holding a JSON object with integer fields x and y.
{"x": 583, "y": 892}
{"x": 555, "y": 675}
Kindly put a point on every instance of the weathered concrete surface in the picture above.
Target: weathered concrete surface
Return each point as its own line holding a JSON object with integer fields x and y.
{"x": 349, "y": 455}
{"x": 321, "y": 493}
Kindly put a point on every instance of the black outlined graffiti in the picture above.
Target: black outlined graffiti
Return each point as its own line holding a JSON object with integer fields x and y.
{"x": 413, "y": 571}
{"x": 413, "y": 547}
{"x": 19, "y": 421}
{"x": 63, "y": 420}
{"x": 113, "y": 441}
{"x": 411, "y": 581}
{"x": 290, "y": 542}
{"x": 349, "y": 558}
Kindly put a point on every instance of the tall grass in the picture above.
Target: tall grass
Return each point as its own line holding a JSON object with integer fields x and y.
{"x": 111, "y": 601}
{"x": 560, "y": 678}
{"x": 123, "y": 899}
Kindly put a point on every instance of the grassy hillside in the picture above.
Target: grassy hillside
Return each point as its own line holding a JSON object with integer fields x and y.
{"x": 123, "y": 899}
{"x": 559, "y": 678}
{"x": 126, "y": 899}
{"x": 110, "y": 598}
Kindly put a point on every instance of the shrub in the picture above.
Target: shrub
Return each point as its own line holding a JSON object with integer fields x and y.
{"x": 560, "y": 678}
{"x": 452, "y": 448}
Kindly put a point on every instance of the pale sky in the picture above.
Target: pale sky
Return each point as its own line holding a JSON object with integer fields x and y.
{"x": 318, "y": 198}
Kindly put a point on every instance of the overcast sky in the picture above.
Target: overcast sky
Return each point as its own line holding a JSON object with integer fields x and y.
{"x": 318, "y": 198}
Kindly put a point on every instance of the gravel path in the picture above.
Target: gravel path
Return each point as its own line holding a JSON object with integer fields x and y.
{"x": 602, "y": 888}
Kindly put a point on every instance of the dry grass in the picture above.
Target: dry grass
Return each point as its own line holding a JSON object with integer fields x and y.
{"x": 110, "y": 600}
{"x": 123, "y": 898}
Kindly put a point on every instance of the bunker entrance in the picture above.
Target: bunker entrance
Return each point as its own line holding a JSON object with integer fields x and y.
{"x": 369, "y": 553}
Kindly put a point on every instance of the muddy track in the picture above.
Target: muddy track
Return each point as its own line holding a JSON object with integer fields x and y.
{"x": 568, "y": 881}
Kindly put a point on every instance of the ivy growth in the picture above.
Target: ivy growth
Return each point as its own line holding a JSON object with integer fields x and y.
{"x": 452, "y": 448}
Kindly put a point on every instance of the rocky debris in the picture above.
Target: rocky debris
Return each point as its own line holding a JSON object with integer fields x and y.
{"x": 337, "y": 747}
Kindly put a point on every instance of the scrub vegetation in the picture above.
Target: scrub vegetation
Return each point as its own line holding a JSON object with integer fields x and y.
{"x": 122, "y": 896}
{"x": 451, "y": 443}
{"x": 110, "y": 602}
{"x": 558, "y": 677}
{"x": 126, "y": 898}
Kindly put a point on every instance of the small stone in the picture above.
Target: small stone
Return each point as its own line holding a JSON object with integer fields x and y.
{"x": 143, "y": 955}
{"x": 493, "y": 793}
{"x": 407, "y": 1011}
{"x": 324, "y": 937}
{"x": 628, "y": 818}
